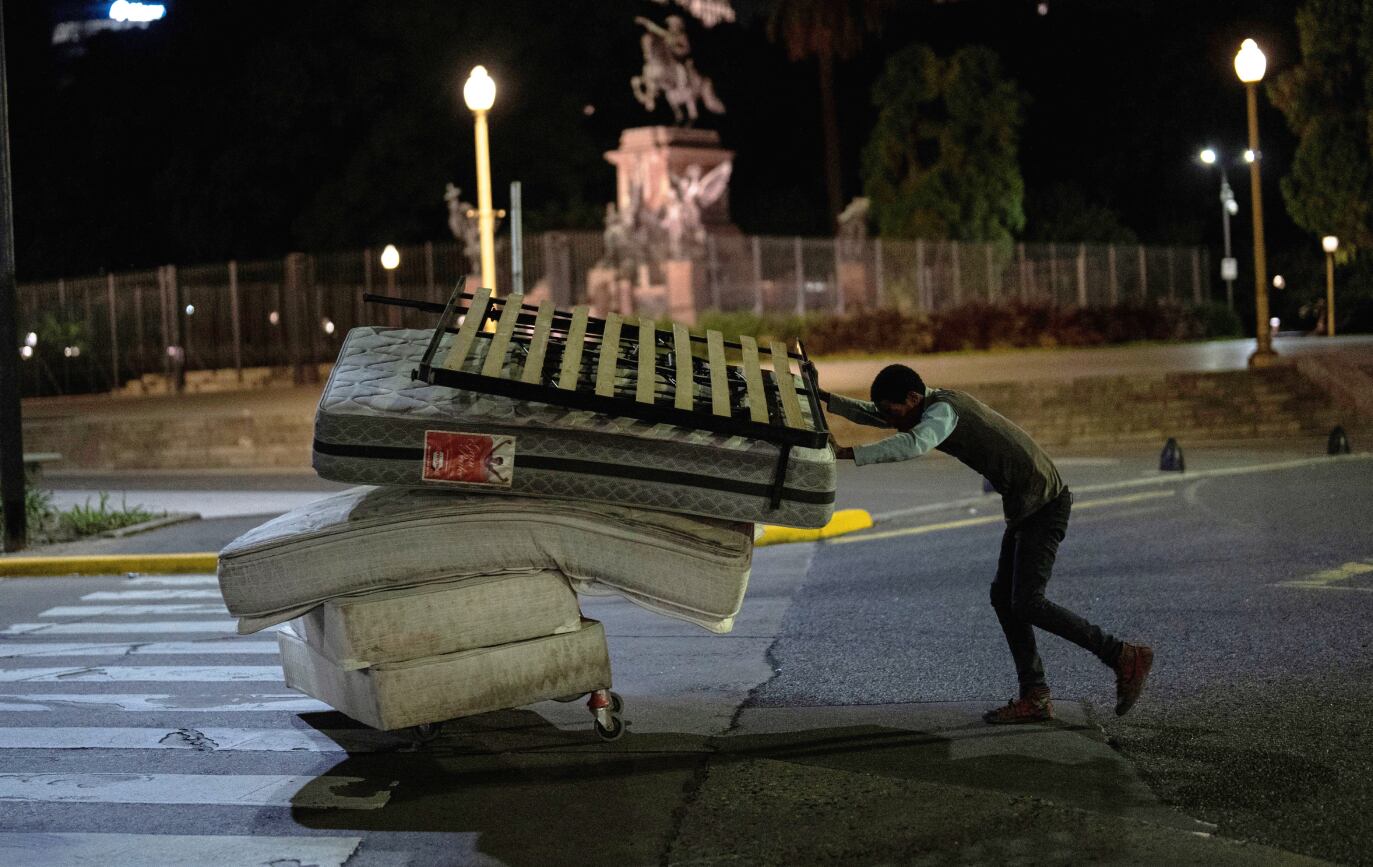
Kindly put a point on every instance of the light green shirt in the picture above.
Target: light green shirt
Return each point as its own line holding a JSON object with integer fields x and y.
{"x": 936, "y": 423}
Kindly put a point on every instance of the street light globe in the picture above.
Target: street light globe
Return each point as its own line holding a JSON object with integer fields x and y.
{"x": 1208, "y": 156}
{"x": 1279, "y": 281}
{"x": 31, "y": 339}
{"x": 1232, "y": 206}
{"x": 480, "y": 90}
{"x": 1250, "y": 62}
{"x": 390, "y": 258}
{"x": 1249, "y": 155}
{"x": 1330, "y": 243}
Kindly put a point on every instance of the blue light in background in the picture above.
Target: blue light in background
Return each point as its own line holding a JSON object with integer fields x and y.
{"x": 123, "y": 10}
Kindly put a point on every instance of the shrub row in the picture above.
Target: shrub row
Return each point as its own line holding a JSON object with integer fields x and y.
{"x": 977, "y": 326}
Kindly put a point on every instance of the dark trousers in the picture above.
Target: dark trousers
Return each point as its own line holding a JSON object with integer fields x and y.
{"x": 1027, "y": 560}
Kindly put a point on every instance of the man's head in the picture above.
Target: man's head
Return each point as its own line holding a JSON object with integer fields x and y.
{"x": 899, "y": 394}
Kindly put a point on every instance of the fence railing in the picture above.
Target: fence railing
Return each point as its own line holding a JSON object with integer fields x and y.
{"x": 97, "y": 333}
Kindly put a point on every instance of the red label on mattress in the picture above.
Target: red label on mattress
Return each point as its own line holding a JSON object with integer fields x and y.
{"x": 468, "y": 459}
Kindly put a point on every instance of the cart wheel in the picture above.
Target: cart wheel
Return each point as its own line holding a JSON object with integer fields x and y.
{"x": 617, "y": 704}
{"x": 423, "y": 734}
{"x": 613, "y": 732}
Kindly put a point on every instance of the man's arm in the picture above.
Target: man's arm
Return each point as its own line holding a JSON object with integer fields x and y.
{"x": 859, "y": 411}
{"x": 935, "y": 425}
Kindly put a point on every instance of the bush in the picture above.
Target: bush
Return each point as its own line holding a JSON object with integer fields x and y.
{"x": 981, "y": 326}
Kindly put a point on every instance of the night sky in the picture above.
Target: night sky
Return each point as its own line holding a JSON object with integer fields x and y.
{"x": 249, "y": 129}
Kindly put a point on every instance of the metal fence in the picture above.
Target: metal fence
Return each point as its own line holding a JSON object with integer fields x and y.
{"x": 97, "y": 333}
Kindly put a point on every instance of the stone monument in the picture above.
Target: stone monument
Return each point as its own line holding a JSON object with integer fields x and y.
{"x": 672, "y": 185}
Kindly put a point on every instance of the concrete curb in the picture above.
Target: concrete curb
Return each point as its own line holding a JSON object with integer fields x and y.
{"x": 108, "y": 564}
{"x": 844, "y": 521}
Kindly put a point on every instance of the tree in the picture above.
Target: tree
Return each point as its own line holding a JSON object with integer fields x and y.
{"x": 942, "y": 161}
{"x": 827, "y": 30}
{"x": 1328, "y": 103}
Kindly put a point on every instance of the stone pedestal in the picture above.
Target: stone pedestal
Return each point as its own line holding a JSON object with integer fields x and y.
{"x": 685, "y": 286}
{"x": 649, "y": 155}
{"x": 854, "y": 284}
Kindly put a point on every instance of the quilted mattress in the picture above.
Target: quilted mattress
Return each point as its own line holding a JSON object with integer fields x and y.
{"x": 369, "y": 539}
{"x": 374, "y": 422}
{"x": 448, "y": 686}
{"x": 448, "y": 617}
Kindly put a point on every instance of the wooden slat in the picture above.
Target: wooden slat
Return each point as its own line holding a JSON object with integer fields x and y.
{"x": 719, "y": 387}
{"x": 648, "y": 360}
{"x": 610, "y": 353}
{"x": 572, "y": 352}
{"x": 753, "y": 378}
{"x": 500, "y": 342}
{"x": 786, "y": 386}
{"x": 462, "y": 343}
{"x": 686, "y": 384}
{"x": 538, "y": 343}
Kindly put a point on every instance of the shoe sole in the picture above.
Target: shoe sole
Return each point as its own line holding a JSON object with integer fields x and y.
{"x": 1122, "y": 708}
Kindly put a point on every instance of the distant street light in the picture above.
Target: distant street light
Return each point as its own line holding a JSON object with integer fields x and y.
{"x": 1330, "y": 244}
{"x": 390, "y": 260}
{"x": 1228, "y": 207}
{"x": 1250, "y": 65}
{"x": 1279, "y": 281}
{"x": 480, "y": 94}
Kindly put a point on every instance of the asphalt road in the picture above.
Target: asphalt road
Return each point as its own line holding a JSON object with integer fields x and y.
{"x": 838, "y": 723}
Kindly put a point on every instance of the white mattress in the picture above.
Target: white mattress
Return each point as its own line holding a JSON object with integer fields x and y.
{"x": 374, "y": 421}
{"x": 448, "y": 617}
{"x": 368, "y": 539}
{"x": 438, "y": 688}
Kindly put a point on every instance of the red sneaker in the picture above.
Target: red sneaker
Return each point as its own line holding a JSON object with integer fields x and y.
{"x": 1132, "y": 670}
{"x": 1030, "y": 708}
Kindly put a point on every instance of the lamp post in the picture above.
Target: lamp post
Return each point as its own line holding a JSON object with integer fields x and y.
{"x": 1228, "y": 208}
{"x": 1250, "y": 65}
{"x": 1330, "y": 244}
{"x": 480, "y": 94}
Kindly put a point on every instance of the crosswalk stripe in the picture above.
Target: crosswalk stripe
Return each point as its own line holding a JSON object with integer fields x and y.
{"x": 134, "y": 595}
{"x": 169, "y": 626}
{"x": 151, "y": 702}
{"x": 174, "y": 581}
{"x": 30, "y": 649}
{"x": 172, "y": 850}
{"x": 132, "y": 610}
{"x": 201, "y": 739}
{"x": 248, "y": 790}
{"x": 144, "y": 674}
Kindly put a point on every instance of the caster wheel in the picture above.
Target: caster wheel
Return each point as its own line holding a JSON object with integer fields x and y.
{"x": 613, "y": 732}
{"x": 423, "y": 734}
{"x": 617, "y": 704}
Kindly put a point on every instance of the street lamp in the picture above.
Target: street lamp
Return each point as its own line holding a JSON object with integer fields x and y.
{"x": 1228, "y": 208}
{"x": 1250, "y": 65}
{"x": 480, "y": 94}
{"x": 1330, "y": 244}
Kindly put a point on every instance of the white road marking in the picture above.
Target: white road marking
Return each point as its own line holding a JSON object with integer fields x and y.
{"x": 147, "y": 702}
{"x": 990, "y": 519}
{"x": 174, "y": 581}
{"x": 30, "y": 649}
{"x": 145, "y": 674}
{"x": 135, "y": 595}
{"x": 132, "y": 610}
{"x": 1160, "y": 479}
{"x": 246, "y": 790}
{"x": 172, "y": 850}
{"x": 170, "y": 626}
{"x": 196, "y": 738}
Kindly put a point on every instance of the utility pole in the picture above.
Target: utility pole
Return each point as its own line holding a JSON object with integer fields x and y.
{"x": 11, "y": 420}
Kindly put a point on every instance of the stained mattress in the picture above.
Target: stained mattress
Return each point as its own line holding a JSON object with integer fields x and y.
{"x": 452, "y": 685}
{"x": 369, "y": 539}
{"x": 373, "y": 422}
{"x": 447, "y": 617}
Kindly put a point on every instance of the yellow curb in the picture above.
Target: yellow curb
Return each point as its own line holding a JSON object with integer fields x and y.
{"x": 111, "y": 564}
{"x": 844, "y": 521}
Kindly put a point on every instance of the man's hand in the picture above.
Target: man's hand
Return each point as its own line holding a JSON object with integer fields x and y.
{"x": 843, "y": 453}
